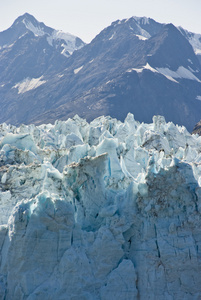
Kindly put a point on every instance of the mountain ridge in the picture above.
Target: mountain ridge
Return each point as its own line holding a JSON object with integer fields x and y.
{"x": 135, "y": 59}
{"x": 125, "y": 68}
{"x": 28, "y": 23}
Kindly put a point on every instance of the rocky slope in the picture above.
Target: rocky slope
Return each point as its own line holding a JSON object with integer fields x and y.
{"x": 100, "y": 210}
{"x": 197, "y": 128}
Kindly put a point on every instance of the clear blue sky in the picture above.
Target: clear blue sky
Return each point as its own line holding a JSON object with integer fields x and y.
{"x": 86, "y": 18}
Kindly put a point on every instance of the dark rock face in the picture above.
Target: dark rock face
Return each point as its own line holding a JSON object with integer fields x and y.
{"x": 135, "y": 65}
{"x": 197, "y": 128}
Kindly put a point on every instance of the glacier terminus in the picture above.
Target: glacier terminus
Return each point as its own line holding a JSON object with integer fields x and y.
{"x": 100, "y": 210}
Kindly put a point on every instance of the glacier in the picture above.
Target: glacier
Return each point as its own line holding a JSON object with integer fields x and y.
{"x": 100, "y": 210}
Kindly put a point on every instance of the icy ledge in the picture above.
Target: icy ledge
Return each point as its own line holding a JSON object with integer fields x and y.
{"x": 105, "y": 210}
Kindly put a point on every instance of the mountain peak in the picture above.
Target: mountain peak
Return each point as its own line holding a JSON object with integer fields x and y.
{"x": 170, "y": 49}
{"x": 23, "y": 19}
{"x": 32, "y": 24}
{"x": 26, "y": 23}
{"x": 141, "y": 26}
{"x": 142, "y": 20}
{"x": 25, "y": 16}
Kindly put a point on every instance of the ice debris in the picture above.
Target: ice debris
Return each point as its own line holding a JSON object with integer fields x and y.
{"x": 100, "y": 210}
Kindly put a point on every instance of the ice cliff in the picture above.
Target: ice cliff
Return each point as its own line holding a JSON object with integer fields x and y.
{"x": 106, "y": 210}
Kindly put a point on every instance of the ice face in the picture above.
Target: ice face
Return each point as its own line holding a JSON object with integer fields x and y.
{"x": 100, "y": 210}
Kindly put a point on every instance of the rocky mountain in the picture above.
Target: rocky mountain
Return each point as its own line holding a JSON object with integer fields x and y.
{"x": 135, "y": 65}
{"x": 100, "y": 211}
{"x": 194, "y": 39}
{"x": 28, "y": 50}
{"x": 197, "y": 128}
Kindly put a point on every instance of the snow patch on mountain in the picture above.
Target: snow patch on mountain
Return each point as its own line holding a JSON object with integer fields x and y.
{"x": 148, "y": 67}
{"x": 180, "y": 73}
{"x": 69, "y": 41}
{"x": 141, "y": 37}
{"x": 169, "y": 74}
{"x": 193, "y": 38}
{"x": 142, "y": 20}
{"x": 76, "y": 71}
{"x": 37, "y": 30}
{"x": 29, "y": 84}
{"x": 112, "y": 36}
{"x": 143, "y": 32}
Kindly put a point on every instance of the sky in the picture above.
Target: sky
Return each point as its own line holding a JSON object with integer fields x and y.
{"x": 86, "y": 18}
